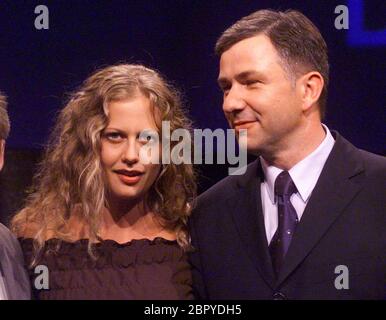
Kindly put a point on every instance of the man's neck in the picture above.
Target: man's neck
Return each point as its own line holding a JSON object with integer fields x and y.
{"x": 297, "y": 147}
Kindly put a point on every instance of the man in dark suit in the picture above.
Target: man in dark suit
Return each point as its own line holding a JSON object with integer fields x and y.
{"x": 14, "y": 283}
{"x": 307, "y": 220}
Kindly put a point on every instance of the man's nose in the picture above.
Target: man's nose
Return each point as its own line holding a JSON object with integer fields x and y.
{"x": 130, "y": 154}
{"x": 234, "y": 100}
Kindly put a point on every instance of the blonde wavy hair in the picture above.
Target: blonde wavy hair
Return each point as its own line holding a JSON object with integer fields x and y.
{"x": 70, "y": 175}
{"x": 4, "y": 119}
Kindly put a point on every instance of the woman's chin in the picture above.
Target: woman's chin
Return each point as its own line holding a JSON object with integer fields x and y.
{"x": 126, "y": 195}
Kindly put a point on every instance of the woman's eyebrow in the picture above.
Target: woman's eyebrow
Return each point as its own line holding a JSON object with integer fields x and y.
{"x": 114, "y": 129}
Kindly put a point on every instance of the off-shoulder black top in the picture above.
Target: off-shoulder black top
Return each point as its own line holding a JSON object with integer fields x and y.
{"x": 140, "y": 269}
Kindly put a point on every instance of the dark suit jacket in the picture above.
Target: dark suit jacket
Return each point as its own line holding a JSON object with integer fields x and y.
{"x": 12, "y": 271}
{"x": 344, "y": 223}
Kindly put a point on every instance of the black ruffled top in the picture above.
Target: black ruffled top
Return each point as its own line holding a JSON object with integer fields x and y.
{"x": 140, "y": 269}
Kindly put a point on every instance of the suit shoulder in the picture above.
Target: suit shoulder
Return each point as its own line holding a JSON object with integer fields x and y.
{"x": 224, "y": 189}
{"x": 211, "y": 203}
{"x": 8, "y": 241}
{"x": 375, "y": 164}
{"x": 5, "y": 234}
{"x": 221, "y": 189}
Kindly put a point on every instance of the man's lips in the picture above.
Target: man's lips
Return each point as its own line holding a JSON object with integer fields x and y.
{"x": 245, "y": 124}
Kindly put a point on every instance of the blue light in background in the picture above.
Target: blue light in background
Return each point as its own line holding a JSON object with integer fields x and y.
{"x": 357, "y": 35}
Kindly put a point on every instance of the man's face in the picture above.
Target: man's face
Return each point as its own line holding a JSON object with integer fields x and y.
{"x": 2, "y": 147}
{"x": 258, "y": 94}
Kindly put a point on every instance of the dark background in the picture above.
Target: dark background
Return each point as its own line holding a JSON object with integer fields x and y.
{"x": 38, "y": 67}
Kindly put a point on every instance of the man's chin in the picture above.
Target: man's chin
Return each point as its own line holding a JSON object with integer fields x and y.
{"x": 252, "y": 146}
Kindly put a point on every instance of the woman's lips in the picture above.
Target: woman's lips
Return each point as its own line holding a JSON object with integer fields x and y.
{"x": 129, "y": 180}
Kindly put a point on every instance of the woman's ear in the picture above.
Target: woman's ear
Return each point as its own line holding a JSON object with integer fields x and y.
{"x": 311, "y": 88}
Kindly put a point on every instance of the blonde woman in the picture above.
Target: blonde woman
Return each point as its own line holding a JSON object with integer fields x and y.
{"x": 107, "y": 224}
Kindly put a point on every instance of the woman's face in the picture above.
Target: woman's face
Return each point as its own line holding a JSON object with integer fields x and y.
{"x": 127, "y": 177}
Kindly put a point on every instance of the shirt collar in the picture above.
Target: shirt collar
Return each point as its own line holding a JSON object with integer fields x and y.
{"x": 305, "y": 173}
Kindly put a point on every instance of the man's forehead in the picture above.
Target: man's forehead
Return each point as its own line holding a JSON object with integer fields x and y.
{"x": 242, "y": 76}
{"x": 255, "y": 54}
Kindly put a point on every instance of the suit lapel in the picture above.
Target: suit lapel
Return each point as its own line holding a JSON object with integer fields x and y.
{"x": 332, "y": 193}
{"x": 249, "y": 220}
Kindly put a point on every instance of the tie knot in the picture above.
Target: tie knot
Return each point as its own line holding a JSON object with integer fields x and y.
{"x": 284, "y": 184}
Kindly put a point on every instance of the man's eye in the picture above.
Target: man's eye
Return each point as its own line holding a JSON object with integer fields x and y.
{"x": 225, "y": 90}
{"x": 251, "y": 82}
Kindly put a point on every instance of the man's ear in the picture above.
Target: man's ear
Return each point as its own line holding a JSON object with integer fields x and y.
{"x": 2, "y": 149}
{"x": 311, "y": 88}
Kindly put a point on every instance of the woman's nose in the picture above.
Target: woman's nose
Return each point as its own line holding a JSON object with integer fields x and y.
{"x": 130, "y": 154}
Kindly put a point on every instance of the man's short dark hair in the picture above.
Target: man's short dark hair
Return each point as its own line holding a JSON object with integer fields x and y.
{"x": 4, "y": 119}
{"x": 299, "y": 44}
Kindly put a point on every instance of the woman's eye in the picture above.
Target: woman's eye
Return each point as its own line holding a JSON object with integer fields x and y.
{"x": 113, "y": 136}
{"x": 147, "y": 137}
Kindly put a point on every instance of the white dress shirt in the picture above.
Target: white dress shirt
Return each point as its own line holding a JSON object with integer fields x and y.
{"x": 304, "y": 174}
